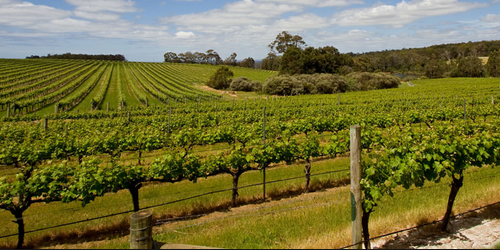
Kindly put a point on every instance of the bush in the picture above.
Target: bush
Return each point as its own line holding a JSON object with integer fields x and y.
{"x": 371, "y": 81}
{"x": 305, "y": 84}
{"x": 244, "y": 84}
{"x": 221, "y": 79}
{"x": 283, "y": 85}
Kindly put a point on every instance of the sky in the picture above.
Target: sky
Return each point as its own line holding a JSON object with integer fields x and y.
{"x": 144, "y": 30}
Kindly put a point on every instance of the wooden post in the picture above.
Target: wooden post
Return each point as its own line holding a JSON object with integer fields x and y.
{"x": 339, "y": 99}
{"x": 465, "y": 111}
{"x": 141, "y": 230}
{"x": 356, "y": 207}
{"x": 8, "y": 110}
{"x": 146, "y": 102}
{"x": 169, "y": 115}
{"x": 45, "y": 124}
{"x": 492, "y": 100}
{"x": 264, "y": 143}
{"x": 128, "y": 116}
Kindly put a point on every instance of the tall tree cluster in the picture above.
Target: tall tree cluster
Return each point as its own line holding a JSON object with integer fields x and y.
{"x": 209, "y": 57}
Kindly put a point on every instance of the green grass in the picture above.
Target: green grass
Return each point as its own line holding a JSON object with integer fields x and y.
{"x": 111, "y": 96}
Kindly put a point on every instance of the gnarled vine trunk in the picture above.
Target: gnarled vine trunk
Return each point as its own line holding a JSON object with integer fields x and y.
{"x": 236, "y": 178}
{"x": 455, "y": 187}
{"x": 307, "y": 171}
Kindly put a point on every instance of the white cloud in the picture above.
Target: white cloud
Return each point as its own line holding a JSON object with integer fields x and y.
{"x": 402, "y": 13}
{"x": 24, "y": 14}
{"x": 98, "y": 16}
{"x": 184, "y": 35}
{"x": 234, "y": 16}
{"x": 302, "y": 22}
{"x": 491, "y": 18}
{"x": 120, "y": 6}
{"x": 317, "y": 3}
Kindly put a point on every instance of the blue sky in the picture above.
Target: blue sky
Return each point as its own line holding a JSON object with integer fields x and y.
{"x": 143, "y": 30}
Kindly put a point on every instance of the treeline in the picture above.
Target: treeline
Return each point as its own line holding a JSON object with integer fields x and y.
{"x": 209, "y": 57}
{"x": 290, "y": 55}
{"x": 109, "y": 57}
{"x": 445, "y": 60}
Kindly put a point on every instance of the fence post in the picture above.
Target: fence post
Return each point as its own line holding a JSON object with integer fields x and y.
{"x": 141, "y": 230}
{"x": 8, "y": 110}
{"x": 356, "y": 207}
{"x": 45, "y": 125}
{"x": 264, "y": 143}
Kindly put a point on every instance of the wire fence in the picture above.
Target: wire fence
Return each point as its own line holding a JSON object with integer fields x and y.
{"x": 163, "y": 204}
{"x": 257, "y": 213}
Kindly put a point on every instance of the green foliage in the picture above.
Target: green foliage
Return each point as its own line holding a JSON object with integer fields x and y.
{"x": 371, "y": 81}
{"x": 469, "y": 67}
{"x": 244, "y": 84}
{"x": 493, "y": 65}
{"x": 435, "y": 69}
{"x": 221, "y": 79}
{"x": 314, "y": 60}
{"x": 285, "y": 41}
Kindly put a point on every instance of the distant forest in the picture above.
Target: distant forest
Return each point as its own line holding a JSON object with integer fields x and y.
{"x": 80, "y": 57}
{"x": 290, "y": 56}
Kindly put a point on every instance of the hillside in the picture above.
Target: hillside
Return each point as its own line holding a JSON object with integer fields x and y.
{"x": 36, "y": 85}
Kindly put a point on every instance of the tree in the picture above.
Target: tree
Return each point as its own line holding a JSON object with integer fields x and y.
{"x": 285, "y": 40}
{"x": 435, "y": 69}
{"x": 221, "y": 79}
{"x": 213, "y": 57}
{"x": 248, "y": 63}
{"x": 291, "y": 62}
{"x": 469, "y": 67}
{"x": 231, "y": 60}
{"x": 493, "y": 64}
{"x": 171, "y": 57}
{"x": 271, "y": 62}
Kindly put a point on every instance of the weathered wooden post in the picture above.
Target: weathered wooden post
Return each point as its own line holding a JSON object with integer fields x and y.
{"x": 128, "y": 116}
{"x": 141, "y": 230}
{"x": 45, "y": 126}
{"x": 147, "y": 102}
{"x": 56, "y": 108}
{"x": 356, "y": 206}
{"x": 8, "y": 111}
{"x": 465, "y": 111}
{"x": 264, "y": 143}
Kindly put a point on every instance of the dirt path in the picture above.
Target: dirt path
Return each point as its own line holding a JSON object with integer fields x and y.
{"x": 229, "y": 93}
{"x": 477, "y": 230}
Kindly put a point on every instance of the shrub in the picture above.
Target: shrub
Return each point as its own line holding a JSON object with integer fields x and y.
{"x": 244, "y": 84}
{"x": 370, "y": 81}
{"x": 221, "y": 79}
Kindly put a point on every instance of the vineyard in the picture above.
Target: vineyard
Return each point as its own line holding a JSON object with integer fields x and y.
{"x": 71, "y": 164}
{"x": 51, "y": 86}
